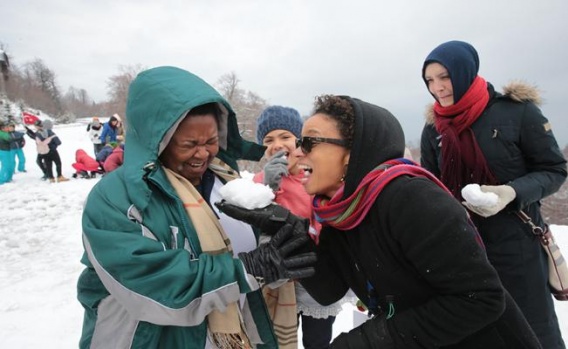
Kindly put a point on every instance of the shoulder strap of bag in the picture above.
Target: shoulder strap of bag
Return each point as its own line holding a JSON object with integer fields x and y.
{"x": 557, "y": 267}
{"x": 536, "y": 230}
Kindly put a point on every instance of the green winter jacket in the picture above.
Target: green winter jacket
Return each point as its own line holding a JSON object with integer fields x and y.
{"x": 147, "y": 283}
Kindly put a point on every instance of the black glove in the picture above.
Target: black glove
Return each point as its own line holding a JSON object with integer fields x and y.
{"x": 275, "y": 260}
{"x": 371, "y": 334}
{"x": 275, "y": 169}
{"x": 268, "y": 219}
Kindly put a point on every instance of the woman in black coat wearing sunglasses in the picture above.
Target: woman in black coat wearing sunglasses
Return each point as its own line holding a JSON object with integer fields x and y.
{"x": 396, "y": 237}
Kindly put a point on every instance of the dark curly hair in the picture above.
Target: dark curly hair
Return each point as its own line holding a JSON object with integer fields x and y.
{"x": 341, "y": 111}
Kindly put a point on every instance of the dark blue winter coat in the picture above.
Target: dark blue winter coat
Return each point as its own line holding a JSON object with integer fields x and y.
{"x": 18, "y": 140}
{"x": 104, "y": 153}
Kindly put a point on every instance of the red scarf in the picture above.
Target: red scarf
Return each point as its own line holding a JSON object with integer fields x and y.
{"x": 463, "y": 161}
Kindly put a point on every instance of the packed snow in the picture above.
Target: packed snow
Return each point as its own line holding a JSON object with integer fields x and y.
{"x": 473, "y": 194}
{"x": 245, "y": 193}
{"x": 40, "y": 251}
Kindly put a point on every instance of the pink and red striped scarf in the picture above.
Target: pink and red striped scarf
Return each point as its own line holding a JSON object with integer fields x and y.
{"x": 348, "y": 213}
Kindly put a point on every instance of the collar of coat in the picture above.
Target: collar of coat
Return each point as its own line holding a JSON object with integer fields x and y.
{"x": 518, "y": 91}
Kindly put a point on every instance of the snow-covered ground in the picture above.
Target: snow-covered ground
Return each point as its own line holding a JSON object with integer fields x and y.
{"x": 40, "y": 249}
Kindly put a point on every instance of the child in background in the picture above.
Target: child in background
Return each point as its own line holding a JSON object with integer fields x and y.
{"x": 18, "y": 143}
{"x": 53, "y": 155}
{"x": 85, "y": 166}
{"x": 42, "y": 147}
{"x": 95, "y": 129}
{"x": 6, "y": 156}
{"x": 277, "y": 129}
{"x": 110, "y": 130}
{"x": 105, "y": 153}
{"x": 47, "y": 143}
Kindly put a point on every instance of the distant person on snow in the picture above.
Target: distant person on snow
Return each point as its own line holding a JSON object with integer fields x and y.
{"x": 119, "y": 128}
{"x": 85, "y": 165}
{"x": 6, "y": 156}
{"x": 105, "y": 152}
{"x": 18, "y": 143}
{"x": 95, "y": 129}
{"x": 44, "y": 134}
{"x": 41, "y": 146}
{"x": 110, "y": 131}
{"x": 115, "y": 159}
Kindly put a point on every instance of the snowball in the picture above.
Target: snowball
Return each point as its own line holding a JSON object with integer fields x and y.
{"x": 472, "y": 194}
{"x": 247, "y": 194}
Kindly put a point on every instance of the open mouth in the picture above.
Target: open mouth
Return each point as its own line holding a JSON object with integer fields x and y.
{"x": 195, "y": 164}
{"x": 307, "y": 170}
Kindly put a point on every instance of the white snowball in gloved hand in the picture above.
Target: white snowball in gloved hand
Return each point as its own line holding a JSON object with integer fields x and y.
{"x": 473, "y": 195}
{"x": 505, "y": 194}
{"x": 247, "y": 194}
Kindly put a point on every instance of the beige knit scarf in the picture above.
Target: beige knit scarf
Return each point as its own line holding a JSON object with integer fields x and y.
{"x": 226, "y": 329}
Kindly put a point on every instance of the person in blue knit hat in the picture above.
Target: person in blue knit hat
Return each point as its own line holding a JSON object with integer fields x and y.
{"x": 503, "y": 142}
{"x": 278, "y": 128}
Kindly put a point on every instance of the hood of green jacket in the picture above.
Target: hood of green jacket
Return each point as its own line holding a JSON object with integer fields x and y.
{"x": 157, "y": 99}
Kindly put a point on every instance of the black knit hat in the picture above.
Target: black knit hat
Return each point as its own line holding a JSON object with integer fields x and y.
{"x": 461, "y": 61}
{"x": 278, "y": 118}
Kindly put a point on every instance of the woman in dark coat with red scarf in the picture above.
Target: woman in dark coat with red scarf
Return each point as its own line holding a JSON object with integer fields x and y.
{"x": 502, "y": 142}
{"x": 394, "y": 235}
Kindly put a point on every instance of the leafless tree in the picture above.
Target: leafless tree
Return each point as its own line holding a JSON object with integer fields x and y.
{"x": 118, "y": 88}
{"x": 228, "y": 85}
{"x": 78, "y": 102}
{"x": 39, "y": 88}
{"x": 4, "y": 69}
{"x": 247, "y": 106}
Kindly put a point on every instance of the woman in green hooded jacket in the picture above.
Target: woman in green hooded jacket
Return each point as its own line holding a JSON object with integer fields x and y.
{"x": 163, "y": 268}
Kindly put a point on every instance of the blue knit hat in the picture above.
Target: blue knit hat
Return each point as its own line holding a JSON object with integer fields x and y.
{"x": 461, "y": 61}
{"x": 278, "y": 118}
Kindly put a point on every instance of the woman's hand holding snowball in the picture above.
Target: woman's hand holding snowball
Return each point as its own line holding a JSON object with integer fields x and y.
{"x": 487, "y": 200}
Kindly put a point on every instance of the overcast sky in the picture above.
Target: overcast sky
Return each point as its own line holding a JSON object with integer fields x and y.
{"x": 289, "y": 51}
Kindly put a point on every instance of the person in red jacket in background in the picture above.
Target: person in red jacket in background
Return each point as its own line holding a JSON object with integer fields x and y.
{"x": 115, "y": 159}
{"x": 85, "y": 164}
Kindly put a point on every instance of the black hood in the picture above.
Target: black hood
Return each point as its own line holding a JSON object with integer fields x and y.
{"x": 378, "y": 137}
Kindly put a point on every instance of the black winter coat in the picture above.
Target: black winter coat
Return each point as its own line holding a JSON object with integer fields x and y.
{"x": 419, "y": 251}
{"x": 521, "y": 151}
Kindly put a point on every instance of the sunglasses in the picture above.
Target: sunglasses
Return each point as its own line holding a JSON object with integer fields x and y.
{"x": 307, "y": 143}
